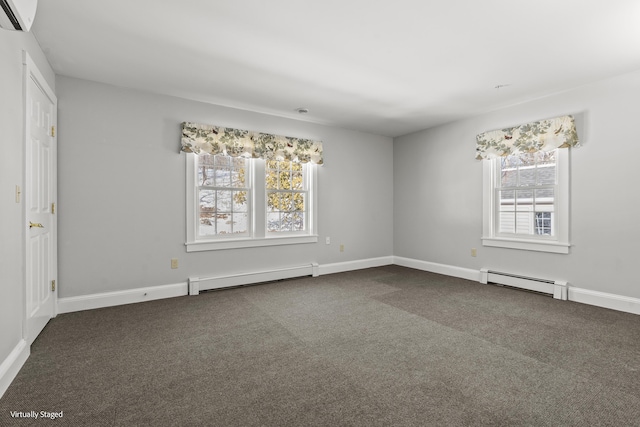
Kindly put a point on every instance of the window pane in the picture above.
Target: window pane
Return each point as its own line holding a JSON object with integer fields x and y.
{"x": 207, "y": 229}
{"x": 205, "y": 176}
{"x": 507, "y": 222}
{"x": 240, "y": 201}
{"x": 509, "y": 162}
{"x": 224, "y": 223}
{"x": 297, "y": 181}
{"x": 524, "y": 200}
{"x": 546, "y": 174}
{"x": 207, "y": 202}
{"x": 544, "y": 196}
{"x": 286, "y": 222}
{"x": 205, "y": 169}
{"x": 286, "y": 202}
{"x": 222, "y": 177}
{"x": 524, "y": 222}
{"x": 240, "y": 222}
{"x": 273, "y": 221}
{"x": 223, "y": 201}
{"x": 298, "y": 221}
{"x": 284, "y": 180}
{"x": 546, "y": 157}
{"x": 206, "y": 160}
{"x": 238, "y": 177}
{"x": 222, "y": 172}
{"x": 273, "y": 202}
{"x": 543, "y": 223}
{"x": 222, "y": 161}
{"x": 526, "y": 159}
{"x": 509, "y": 178}
{"x": 527, "y": 176}
{"x": 298, "y": 202}
{"x": 271, "y": 180}
{"x": 238, "y": 162}
{"x": 506, "y": 198}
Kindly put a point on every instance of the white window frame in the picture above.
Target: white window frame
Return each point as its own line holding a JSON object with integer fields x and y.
{"x": 258, "y": 237}
{"x": 559, "y": 243}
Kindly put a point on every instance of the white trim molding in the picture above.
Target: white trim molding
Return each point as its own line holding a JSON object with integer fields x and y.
{"x": 447, "y": 270}
{"x": 110, "y": 299}
{"x": 605, "y": 300}
{"x": 341, "y": 267}
{"x": 197, "y": 284}
{"x": 221, "y": 244}
{"x": 10, "y": 366}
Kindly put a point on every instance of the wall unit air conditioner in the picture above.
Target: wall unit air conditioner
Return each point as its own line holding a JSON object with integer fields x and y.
{"x": 17, "y": 14}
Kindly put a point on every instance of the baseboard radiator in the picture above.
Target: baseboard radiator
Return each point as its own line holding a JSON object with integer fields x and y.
{"x": 198, "y": 284}
{"x": 556, "y": 288}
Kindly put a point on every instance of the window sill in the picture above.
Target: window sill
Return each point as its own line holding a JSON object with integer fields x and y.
{"x": 527, "y": 245}
{"x": 215, "y": 245}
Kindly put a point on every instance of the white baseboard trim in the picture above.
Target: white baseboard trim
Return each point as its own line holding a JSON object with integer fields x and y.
{"x": 10, "y": 366}
{"x": 109, "y": 299}
{"x": 341, "y": 267}
{"x": 605, "y": 300}
{"x": 448, "y": 270}
{"x": 197, "y": 284}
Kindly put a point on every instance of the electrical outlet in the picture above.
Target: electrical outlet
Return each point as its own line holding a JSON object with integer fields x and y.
{"x": 474, "y": 252}
{"x": 341, "y": 248}
{"x": 174, "y": 263}
{"x": 328, "y": 240}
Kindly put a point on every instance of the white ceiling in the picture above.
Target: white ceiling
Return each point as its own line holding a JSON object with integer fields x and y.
{"x": 380, "y": 66}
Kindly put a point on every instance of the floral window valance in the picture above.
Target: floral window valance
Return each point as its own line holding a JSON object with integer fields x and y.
{"x": 545, "y": 135}
{"x": 199, "y": 138}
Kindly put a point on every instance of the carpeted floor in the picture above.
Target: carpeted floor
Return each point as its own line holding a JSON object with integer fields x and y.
{"x": 387, "y": 346}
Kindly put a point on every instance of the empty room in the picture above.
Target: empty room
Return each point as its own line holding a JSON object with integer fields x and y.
{"x": 286, "y": 213}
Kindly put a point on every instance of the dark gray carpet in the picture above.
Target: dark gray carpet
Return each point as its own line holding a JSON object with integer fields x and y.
{"x": 387, "y": 346}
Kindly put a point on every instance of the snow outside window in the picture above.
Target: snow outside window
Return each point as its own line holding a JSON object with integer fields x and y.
{"x": 235, "y": 202}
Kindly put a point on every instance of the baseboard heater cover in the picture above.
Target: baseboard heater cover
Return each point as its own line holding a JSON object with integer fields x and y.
{"x": 557, "y": 288}
{"x": 198, "y": 284}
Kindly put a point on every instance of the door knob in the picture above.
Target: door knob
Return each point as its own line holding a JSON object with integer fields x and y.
{"x": 35, "y": 224}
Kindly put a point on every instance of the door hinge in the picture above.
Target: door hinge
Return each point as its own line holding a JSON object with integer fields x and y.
{"x": 53, "y": 286}
{"x": 53, "y": 207}
{"x": 53, "y": 131}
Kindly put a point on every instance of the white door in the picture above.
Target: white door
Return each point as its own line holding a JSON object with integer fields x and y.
{"x": 39, "y": 199}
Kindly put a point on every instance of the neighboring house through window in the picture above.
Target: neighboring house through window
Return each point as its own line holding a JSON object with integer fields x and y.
{"x": 526, "y": 201}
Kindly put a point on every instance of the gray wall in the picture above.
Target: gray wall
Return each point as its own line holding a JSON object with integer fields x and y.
{"x": 121, "y": 191}
{"x": 438, "y": 191}
{"x": 12, "y": 109}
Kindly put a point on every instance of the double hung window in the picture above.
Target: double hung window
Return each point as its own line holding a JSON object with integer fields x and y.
{"x": 235, "y": 202}
{"x": 526, "y": 201}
